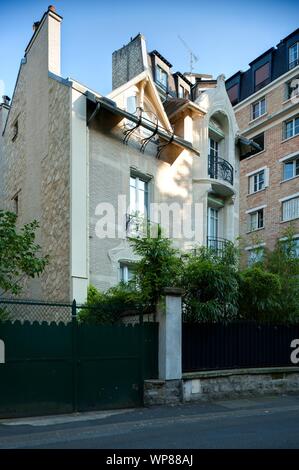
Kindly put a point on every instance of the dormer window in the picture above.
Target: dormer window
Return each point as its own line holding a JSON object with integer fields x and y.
{"x": 131, "y": 104}
{"x": 161, "y": 77}
{"x": 262, "y": 76}
{"x": 293, "y": 55}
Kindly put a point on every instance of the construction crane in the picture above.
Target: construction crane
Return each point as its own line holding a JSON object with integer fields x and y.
{"x": 193, "y": 57}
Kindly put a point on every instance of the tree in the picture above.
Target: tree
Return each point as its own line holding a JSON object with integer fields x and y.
{"x": 159, "y": 267}
{"x": 19, "y": 253}
{"x": 211, "y": 284}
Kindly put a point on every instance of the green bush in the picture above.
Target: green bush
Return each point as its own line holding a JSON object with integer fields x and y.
{"x": 4, "y": 315}
{"x": 159, "y": 267}
{"x": 108, "y": 307}
{"x": 260, "y": 293}
{"x": 211, "y": 286}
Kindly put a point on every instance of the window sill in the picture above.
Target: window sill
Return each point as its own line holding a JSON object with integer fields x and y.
{"x": 255, "y": 154}
{"x": 257, "y": 192}
{"x": 255, "y": 230}
{"x": 289, "y": 138}
{"x": 289, "y": 220}
{"x": 289, "y": 179}
{"x": 253, "y": 121}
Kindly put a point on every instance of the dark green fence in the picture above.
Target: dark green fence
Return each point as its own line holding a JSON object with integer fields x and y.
{"x": 66, "y": 367}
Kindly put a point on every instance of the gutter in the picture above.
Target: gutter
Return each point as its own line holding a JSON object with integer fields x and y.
{"x": 161, "y": 132}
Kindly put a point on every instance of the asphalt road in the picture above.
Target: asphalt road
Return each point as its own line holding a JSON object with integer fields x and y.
{"x": 268, "y": 422}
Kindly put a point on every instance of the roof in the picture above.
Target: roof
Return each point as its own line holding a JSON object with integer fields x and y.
{"x": 154, "y": 52}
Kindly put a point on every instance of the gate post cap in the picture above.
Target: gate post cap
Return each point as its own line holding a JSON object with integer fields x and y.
{"x": 175, "y": 291}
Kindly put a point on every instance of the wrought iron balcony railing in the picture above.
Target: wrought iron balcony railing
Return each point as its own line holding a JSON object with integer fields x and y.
{"x": 217, "y": 244}
{"x": 218, "y": 168}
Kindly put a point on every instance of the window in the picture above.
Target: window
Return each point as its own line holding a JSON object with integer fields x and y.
{"x": 181, "y": 92}
{"x": 258, "y": 108}
{"x": 292, "y": 248}
{"x": 137, "y": 218}
{"x": 290, "y": 209}
{"x": 256, "y": 220}
{"x": 214, "y": 148}
{"x": 257, "y": 182}
{"x": 291, "y": 128}
{"x": 15, "y": 130}
{"x": 127, "y": 271}
{"x": 161, "y": 77}
{"x": 292, "y": 88}
{"x": 233, "y": 93}
{"x": 255, "y": 255}
{"x": 262, "y": 76}
{"x": 213, "y": 220}
{"x": 291, "y": 169}
{"x": 293, "y": 55}
{"x": 131, "y": 104}
{"x": 260, "y": 140}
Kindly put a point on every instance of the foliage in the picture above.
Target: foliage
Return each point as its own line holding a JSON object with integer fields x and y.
{"x": 108, "y": 307}
{"x": 159, "y": 267}
{"x": 19, "y": 253}
{"x": 3, "y": 315}
{"x": 269, "y": 290}
{"x": 260, "y": 291}
{"x": 210, "y": 282}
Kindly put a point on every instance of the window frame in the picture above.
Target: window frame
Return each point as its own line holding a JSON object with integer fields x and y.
{"x": 256, "y": 214}
{"x": 292, "y": 64}
{"x": 295, "y": 168}
{"x": 285, "y": 126}
{"x": 294, "y": 198}
{"x": 260, "y": 113}
{"x": 254, "y": 181}
{"x": 161, "y": 72}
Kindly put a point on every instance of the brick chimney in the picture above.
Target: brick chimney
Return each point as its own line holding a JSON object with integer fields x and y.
{"x": 129, "y": 61}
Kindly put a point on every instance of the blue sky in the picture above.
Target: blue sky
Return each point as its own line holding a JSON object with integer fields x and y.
{"x": 225, "y": 35}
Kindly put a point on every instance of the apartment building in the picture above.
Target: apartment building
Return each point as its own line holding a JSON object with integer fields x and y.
{"x": 266, "y": 104}
{"x": 92, "y": 169}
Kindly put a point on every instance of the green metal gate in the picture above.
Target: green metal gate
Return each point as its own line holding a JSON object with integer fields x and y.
{"x": 66, "y": 367}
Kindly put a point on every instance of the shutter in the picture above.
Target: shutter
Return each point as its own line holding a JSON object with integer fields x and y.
{"x": 262, "y": 73}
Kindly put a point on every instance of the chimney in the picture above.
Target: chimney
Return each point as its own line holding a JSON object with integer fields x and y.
{"x": 46, "y": 40}
{"x": 6, "y": 100}
{"x": 35, "y": 25}
{"x": 129, "y": 61}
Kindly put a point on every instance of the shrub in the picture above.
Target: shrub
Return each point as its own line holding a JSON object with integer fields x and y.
{"x": 108, "y": 307}
{"x": 159, "y": 267}
{"x": 211, "y": 286}
{"x": 260, "y": 293}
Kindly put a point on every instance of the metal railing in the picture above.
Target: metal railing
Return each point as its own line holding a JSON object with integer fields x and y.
{"x": 218, "y": 168}
{"x": 217, "y": 244}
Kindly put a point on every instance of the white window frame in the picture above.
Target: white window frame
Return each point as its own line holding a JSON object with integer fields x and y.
{"x": 258, "y": 252}
{"x": 254, "y": 220}
{"x": 294, "y": 197}
{"x": 293, "y": 121}
{"x": 259, "y": 104}
{"x": 125, "y": 268}
{"x": 251, "y": 179}
{"x": 294, "y": 46}
{"x": 160, "y": 72}
{"x": 295, "y": 163}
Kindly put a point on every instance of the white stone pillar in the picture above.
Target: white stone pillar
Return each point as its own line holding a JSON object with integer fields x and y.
{"x": 170, "y": 335}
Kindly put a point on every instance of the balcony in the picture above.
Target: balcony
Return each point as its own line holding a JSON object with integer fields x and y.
{"x": 218, "y": 168}
{"x": 217, "y": 244}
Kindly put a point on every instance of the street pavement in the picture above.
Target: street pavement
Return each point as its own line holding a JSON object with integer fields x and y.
{"x": 253, "y": 423}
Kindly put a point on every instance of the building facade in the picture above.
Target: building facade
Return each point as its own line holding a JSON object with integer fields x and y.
{"x": 266, "y": 105}
{"x": 161, "y": 148}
